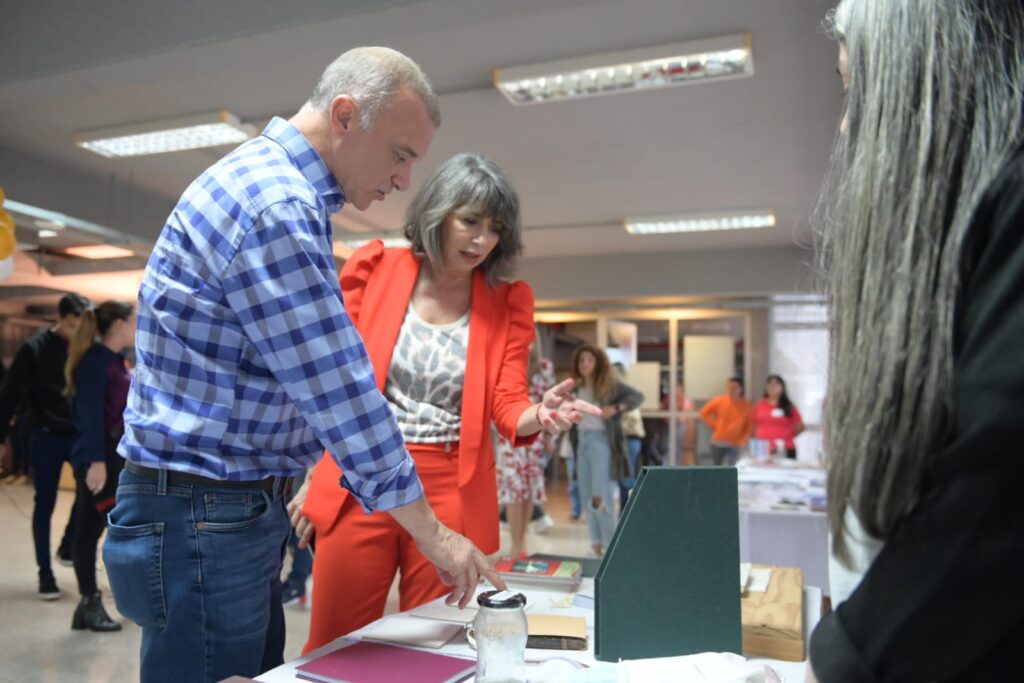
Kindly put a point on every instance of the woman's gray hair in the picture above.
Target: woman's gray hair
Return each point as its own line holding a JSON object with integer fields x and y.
{"x": 372, "y": 76}
{"x": 475, "y": 183}
{"x": 934, "y": 113}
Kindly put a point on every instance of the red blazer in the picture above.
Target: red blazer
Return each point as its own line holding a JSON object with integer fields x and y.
{"x": 377, "y": 285}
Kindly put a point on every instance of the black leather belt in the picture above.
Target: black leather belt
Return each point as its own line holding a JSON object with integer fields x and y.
{"x": 186, "y": 479}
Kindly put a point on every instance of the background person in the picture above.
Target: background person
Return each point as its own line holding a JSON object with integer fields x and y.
{"x": 777, "y": 421}
{"x": 731, "y": 418}
{"x": 36, "y": 379}
{"x": 521, "y": 469}
{"x": 599, "y": 444}
{"x": 97, "y": 383}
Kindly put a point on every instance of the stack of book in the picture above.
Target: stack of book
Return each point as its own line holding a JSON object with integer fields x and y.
{"x": 540, "y": 573}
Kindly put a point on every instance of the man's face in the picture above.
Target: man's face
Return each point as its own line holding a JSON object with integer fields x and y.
{"x": 369, "y": 164}
{"x": 69, "y": 324}
{"x": 735, "y": 389}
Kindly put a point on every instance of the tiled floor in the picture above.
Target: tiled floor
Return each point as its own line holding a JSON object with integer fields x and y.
{"x": 37, "y": 644}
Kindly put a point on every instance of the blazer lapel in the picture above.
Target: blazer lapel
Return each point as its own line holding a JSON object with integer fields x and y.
{"x": 387, "y": 308}
{"x": 481, "y": 310}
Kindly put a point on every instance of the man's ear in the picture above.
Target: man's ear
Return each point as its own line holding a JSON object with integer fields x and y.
{"x": 344, "y": 115}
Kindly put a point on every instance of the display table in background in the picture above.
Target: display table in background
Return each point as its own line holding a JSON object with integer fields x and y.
{"x": 782, "y": 517}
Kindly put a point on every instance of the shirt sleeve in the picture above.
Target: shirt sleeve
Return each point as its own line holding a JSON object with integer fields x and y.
{"x": 88, "y": 404}
{"x": 940, "y": 599}
{"x": 709, "y": 413}
{"x": 283, "y": 286}
{"x": 511, "y": 394}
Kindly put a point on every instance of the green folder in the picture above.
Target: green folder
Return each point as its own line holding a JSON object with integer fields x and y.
{"x": 669, "y": 584}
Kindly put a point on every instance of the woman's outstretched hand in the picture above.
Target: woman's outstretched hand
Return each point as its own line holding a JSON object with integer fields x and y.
{"x": 560, "y": 409}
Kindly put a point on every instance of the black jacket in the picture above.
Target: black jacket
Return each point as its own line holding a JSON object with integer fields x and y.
{"x": 36, "y": 378}
{"x": 941, "y": 602}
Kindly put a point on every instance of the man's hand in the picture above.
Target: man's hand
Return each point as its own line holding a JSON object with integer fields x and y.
{"x": 304, "y": 530}
{"x": 560, "y": 409}
{"x": 96, "y": 477}
{"x": 459, "y": 563}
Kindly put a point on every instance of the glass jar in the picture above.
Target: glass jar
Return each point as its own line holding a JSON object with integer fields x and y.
{"x": 500, "y": 632}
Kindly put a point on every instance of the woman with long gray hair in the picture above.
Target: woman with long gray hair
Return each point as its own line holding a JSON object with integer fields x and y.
{"x": 923, "y": 219}
{"x": 448, "y": 335}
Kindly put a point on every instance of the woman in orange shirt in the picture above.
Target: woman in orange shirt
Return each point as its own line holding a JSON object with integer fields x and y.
{"x": 448, "y": 336}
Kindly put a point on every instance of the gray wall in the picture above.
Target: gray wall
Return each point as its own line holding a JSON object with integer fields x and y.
{"x": 732, "y": 272}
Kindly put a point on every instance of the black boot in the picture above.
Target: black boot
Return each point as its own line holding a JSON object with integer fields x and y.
{"x": 90, "y": 615}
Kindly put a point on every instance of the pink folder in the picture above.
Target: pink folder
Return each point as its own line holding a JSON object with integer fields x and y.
{"x": 366, "y": 662}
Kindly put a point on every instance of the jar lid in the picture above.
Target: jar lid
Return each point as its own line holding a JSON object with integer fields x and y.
{"x": 501, "y": 599}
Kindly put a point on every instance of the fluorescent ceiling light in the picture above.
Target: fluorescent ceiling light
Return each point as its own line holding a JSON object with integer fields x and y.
{"x": 738, "y": 220}
{"x": 628, "y": 71}
{"x": 47, "y": 234}
{"x": 99, "y": 251}
{"x": 169, "y": 135}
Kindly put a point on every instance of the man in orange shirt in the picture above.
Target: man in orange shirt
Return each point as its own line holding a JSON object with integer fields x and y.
{"x": 731, "y": 418}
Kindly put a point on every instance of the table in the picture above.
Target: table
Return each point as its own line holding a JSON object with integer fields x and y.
{"x": 790, "y": 672}
{"x": 779, "y": 524}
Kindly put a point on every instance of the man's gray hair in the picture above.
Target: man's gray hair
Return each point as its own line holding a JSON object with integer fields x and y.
{"x": 934, "y": 114}
{"x": 372, "y": 76}
{"x": 474, "y": 183}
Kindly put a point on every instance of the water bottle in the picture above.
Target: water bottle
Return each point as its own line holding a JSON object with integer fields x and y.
{"x": 500, "y": 632}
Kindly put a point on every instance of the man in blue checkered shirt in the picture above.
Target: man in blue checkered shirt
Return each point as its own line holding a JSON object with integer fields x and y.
{"x": 248, "y": 367}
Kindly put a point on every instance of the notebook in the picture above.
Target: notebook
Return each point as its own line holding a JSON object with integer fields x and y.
{"x": 366, "y": 662}
{"x": 415, "y": 632}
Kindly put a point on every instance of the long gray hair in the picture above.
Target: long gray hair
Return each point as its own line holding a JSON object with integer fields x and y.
{"x": 934, "y": 113}
{"x": 372, "y": 76}
{"x": 475, "y": 183}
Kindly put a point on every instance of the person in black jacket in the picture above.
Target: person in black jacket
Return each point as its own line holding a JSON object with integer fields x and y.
{"x": 36, "y": 378}
{"x": 924, "y": 228}
{"x": 97, "y": 384}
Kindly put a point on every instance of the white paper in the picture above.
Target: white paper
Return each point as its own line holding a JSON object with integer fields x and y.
{"x": 759, "y": 579}
{"x": 417, "y": 632}
{"x": 443, "y": 612}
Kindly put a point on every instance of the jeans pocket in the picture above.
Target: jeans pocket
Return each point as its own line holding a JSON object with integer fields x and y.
{"x": 133, "y": 556}
{"x": 234, "y": 511}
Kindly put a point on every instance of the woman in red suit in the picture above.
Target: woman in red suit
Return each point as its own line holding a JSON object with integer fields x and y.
{"x": 448, "y": 336}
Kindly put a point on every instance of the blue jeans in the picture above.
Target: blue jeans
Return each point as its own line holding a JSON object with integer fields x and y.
{"x": 595, "y": 465}
{"x": 574, "y": 487}
{"x": 198, "y": 567}
{"x": 626, "y": 485}
{"x": 49, "y": 452}
{"x": 723, "y": 454}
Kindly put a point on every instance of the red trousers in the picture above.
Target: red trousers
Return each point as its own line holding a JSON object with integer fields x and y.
{"x": 356, "y": 561}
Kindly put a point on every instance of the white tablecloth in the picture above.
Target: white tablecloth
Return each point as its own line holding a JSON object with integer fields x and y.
{"x": 790, "y": 672}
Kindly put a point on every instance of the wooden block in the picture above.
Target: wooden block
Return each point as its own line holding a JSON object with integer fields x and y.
{"x": 773, "y": 621}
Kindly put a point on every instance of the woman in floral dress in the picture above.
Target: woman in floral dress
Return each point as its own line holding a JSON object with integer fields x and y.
{"x": 521, "y": 470}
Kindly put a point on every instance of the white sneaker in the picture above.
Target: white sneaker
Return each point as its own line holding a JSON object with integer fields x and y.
{"x": 543, "y": 524}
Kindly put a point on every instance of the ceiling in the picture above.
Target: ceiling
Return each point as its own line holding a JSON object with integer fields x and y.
{"x": 580, "y": 166}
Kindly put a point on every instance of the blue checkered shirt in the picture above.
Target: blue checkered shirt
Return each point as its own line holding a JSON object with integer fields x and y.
{"x": 248, "y": 364}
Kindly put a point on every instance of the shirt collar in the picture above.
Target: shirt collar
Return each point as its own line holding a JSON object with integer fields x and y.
{"x": 307, "y": 160}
